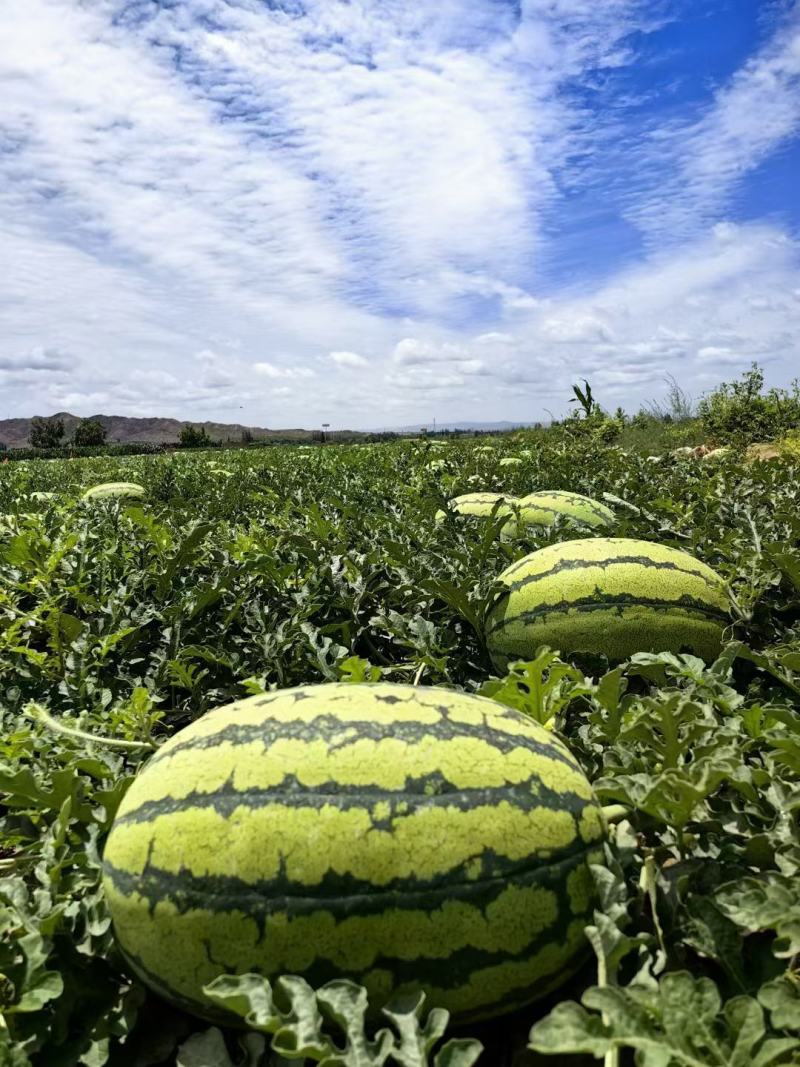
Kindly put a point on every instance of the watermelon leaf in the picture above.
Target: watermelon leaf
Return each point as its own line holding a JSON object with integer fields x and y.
{"x": 768, "y": 903}
{"x": 206, "y": 1049}
{"x": 781, "y": 998}
{"x": 301, "y": 1032}
{"x": 679, "y": 1021}
{"x": 541, "y": 687}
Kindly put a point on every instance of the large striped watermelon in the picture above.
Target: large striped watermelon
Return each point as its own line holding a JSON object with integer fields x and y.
{"x": 405, "y": 837}
{"x": 609, "y": 595}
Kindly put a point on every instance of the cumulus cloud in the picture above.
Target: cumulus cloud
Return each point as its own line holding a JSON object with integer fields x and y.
{"x": 270, "y": 370}
{"x": 696, "y": 313}
{"x": 184, "y": 187}
{"x": 584, "y": 328}
{"x": 348, "y": 359}
{"x": 37, "y": 359}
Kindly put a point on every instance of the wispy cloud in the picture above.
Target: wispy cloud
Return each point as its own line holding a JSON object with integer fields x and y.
{"x": 209, "y": 207}
{"x": 692, "y": 168}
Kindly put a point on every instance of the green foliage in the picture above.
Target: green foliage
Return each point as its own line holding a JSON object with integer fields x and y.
{"x": 541, "y": 688}
{"x": 679, "y": 1020}
{"x": 194, "y": 437}
{"x": 251, "y": 569}
{"x": 650, "y": 434}
{"x": 740, "y": 412}
{"x": 73, "y": 451}
{"x": 46, "y": 433}
{"x": 584, "y": 398}
{"x": 89, "y": 433}
{"x": 589, "y": 421}
{"x": 301, "y": 1032}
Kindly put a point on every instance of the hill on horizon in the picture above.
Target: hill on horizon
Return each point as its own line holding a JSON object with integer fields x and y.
{"x": 122, "y": 429}
{"x": 14, "y": 433}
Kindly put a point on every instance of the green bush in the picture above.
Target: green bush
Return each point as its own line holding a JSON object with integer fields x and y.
{"x": 740, "y": 412}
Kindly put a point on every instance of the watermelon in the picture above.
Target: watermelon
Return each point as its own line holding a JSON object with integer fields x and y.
{"x": 115, "y": 490}
{"x": 612, "y": 596}
{"x": 409, "y": 838}
{"x": 480, "y": 504}
{"x": 542, "y": 509}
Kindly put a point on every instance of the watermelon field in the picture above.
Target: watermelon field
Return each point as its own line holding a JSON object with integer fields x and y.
{"x": 562, "y": 795}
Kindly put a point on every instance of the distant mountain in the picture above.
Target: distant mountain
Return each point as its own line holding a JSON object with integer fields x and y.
{"x": 480, "y": 427}
{"x": 14, "y": 433}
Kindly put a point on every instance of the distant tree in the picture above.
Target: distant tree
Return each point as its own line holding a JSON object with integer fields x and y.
{"x": 89, "y": 432}
{"x": 194, "y": 437}
{"x": 46, "y": 433}
{"x": 247, "y": 437}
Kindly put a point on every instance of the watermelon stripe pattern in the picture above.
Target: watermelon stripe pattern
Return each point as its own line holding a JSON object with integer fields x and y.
{"x": 542, "y": 509}
{"x": 608, "y": 596}
{"x": 404, "y": 837}
{"x": 480, "y": 504}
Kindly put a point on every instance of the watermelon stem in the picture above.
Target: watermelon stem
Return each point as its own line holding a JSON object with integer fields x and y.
{"x": 37, "y": 712}
{"x": 615, "y": 812}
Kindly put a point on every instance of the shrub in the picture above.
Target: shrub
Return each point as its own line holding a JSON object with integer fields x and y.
{"x": 740, "y": 413}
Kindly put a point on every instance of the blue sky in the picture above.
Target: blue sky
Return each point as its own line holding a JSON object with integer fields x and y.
{"x": 375, "y": 212}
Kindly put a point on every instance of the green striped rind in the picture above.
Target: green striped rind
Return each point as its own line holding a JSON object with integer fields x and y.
{"x": 114, "y": 489}
{"x": 481, "y": 504}
{"x": 405, "y": 837}
{"x": 610, "y": 596}
{"x": 542, "y": 509}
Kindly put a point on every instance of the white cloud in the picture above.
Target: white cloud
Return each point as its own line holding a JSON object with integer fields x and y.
{"x": 414, "y": 350}
{"x": 494, "y": 338}
{"x": 471, "y": 366}
{"x": 38, "y": 359}
{"x": 748, "y": 118}
{"x": 215, "y": 374}
{"x": 270, "y": 370}
{"x": 717, "y": 354}
{"x": 250, "y": 193}
{"x": 349, "y": 359}
{"x": 686, "y": 312}
{"x": 184, "y": 187}
{"x": 581, "y": 329}
{"x": 425, "y": 380}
